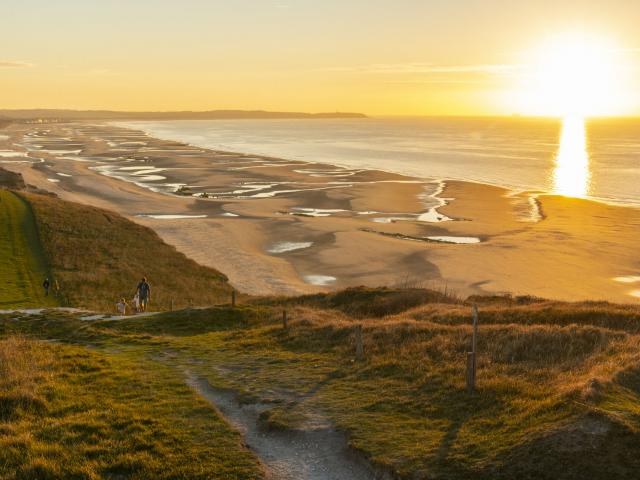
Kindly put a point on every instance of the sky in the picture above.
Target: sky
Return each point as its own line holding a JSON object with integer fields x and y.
{"x": 380, "y": 57}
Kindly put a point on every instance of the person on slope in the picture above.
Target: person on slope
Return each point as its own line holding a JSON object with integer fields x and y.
{"x": 46, "y": 285}
{"x": 144, "y": 294}
{"x": 136, "y": 302}
{"x": 121, "y": 307}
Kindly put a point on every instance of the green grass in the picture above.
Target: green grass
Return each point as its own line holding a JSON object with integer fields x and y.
{"x": 558, "y": 383}
{"x": 98, "y": 257}
{"x": 557, "y": 399}
{"x": 71, "y": 413}
{"x": 23, "y": 266}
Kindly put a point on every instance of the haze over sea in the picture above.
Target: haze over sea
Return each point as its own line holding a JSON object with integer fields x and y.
{"x": 518, "y": 153}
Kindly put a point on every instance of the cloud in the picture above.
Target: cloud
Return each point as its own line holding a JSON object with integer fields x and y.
{"x": 430, "y": 68}
{"x": 437, "y": 69}
{"x": 12, "y": 64}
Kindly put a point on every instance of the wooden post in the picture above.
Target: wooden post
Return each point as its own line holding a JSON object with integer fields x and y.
{"x": 472, "y": 356}
{"x": 172, "y": 304}
{"x": 233, "y": 297}
{"x": 285, "y": 322}
{"x": 471, "y": 374}
{"x": 474, "y": 343}
{"x": 359, "y": 346}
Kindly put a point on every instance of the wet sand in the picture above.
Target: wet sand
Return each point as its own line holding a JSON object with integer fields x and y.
{"x": 241, "y": 214}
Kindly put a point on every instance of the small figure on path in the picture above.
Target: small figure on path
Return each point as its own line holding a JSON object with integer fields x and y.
{"x": 136, "y": 302}
{"x": 46, "y": 284}
{"x": 144, "y": 293}
{"x": 121, "y": 306}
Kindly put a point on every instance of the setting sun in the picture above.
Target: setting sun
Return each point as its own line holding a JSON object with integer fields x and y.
{"x": 577, "y": 75}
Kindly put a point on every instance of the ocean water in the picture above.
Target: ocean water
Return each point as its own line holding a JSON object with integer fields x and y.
{"x": 595, "y": 158}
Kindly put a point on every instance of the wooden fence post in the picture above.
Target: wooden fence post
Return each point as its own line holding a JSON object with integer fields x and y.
{"x": 359, "y": 346}
{"x": 472, "y": 356}
{"x": 471, "y": 374}
{"x": 233, "y": 297}
{"x": 285, "y": 322}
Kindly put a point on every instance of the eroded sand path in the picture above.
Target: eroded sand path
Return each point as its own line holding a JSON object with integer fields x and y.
{"x": 318, "y": 453}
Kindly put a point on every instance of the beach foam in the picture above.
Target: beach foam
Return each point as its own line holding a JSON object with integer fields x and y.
{"x": 391, "y": 219}
{"x": 433, "y": 216}
{"x": 458, "y": 240}
{"x": 320, "y": 280}
{"x": 169, "y": 216}
{"x": 12, "y": 153}
{"x": 316, "y": 212}
{"x": 282, "y": 247}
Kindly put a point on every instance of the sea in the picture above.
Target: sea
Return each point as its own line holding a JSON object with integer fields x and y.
{"x": 592, "y": 158}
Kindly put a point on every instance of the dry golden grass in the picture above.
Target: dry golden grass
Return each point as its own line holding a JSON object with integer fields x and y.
{"x": 24, "y": 368}
{"x": 72, "y": 413}
{"x": 558, "y": 392}
{"x": 98, "y": 257}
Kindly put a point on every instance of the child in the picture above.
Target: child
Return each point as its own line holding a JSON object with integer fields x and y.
{"x": 136, "y": 303}
{"x": 122, "y": 306}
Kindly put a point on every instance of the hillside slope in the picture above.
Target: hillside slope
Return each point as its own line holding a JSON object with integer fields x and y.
{"x": 23, "y": 267}
{"x": 98, "y": 256}
{"x": 72, "y": 413}
{"x": 558, "y": 394}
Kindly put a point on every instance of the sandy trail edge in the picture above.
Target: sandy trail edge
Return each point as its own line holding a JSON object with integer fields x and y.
{"x": 318, "y": 454}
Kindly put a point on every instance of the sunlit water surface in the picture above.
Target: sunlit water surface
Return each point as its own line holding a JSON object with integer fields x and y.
{"x": 572, "y": 172}
{"x": 574, "y": 157}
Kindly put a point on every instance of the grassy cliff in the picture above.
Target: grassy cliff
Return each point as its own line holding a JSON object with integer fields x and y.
{"x": 23, "y": 265}
{"x": 97, "y": 257}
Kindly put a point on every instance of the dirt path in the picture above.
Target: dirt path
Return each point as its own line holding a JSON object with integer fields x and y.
{"x": 313, "y": 454}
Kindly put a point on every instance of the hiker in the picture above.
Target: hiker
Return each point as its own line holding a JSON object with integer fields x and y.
{"x": 121, "y": 306}
{"x": 46, "y": 284}
{"x": 144, "y": 293}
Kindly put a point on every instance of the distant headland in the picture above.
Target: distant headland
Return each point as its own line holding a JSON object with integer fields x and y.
{"x": 61, "y": 114}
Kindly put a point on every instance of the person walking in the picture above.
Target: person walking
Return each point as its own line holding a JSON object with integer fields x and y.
{"x": 136, "y": 302}
{"x": 121, "y": 307}
{"x": 46, "y": 285}
{"x": 144, "y": 294}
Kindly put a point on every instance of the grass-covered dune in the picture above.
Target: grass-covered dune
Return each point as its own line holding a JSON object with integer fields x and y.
{"x": 23, "y": 265}
{"x": 96, "y": 257}
{"x": 67, "y": 412}
{"x": 558, "y": 383}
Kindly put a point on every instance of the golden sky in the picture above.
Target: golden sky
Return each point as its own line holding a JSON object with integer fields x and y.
{"x": 381, "y": 57}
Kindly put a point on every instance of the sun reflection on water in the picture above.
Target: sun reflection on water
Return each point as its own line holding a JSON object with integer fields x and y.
{"x": 572, "y": 175}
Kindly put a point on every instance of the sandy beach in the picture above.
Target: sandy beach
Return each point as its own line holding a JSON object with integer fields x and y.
{"x": 276, "y": 226}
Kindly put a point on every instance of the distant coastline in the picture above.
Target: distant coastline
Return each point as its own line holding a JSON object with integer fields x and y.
{"x": 62, "y": 114}
{"x": 517, "y": 154}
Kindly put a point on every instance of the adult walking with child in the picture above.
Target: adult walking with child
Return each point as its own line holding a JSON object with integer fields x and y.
{"x": 144, "y": 294}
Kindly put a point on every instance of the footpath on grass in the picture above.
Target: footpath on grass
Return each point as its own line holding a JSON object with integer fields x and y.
{"x": 23, "y": 266}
